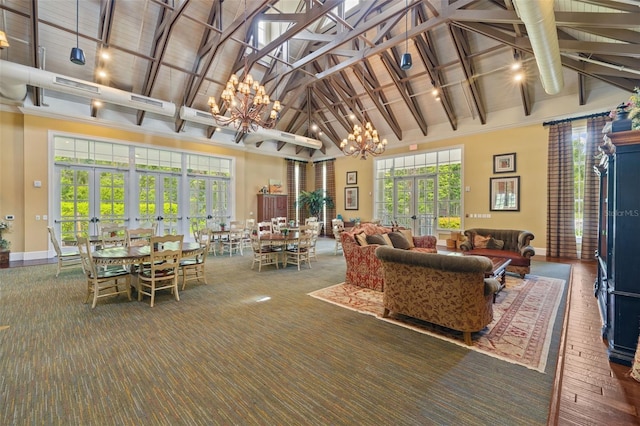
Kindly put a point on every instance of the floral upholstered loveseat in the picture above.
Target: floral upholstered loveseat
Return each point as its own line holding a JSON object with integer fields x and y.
{"x": 363, "y": 268}
{"x": 450, "y": 291}
{"x": 507, "y": 243}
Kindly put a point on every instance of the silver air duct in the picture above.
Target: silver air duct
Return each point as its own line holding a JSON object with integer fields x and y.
{"x": 539, "y": 19}
{"x": 202, "y": 117}
{"x": 16, "y": 77}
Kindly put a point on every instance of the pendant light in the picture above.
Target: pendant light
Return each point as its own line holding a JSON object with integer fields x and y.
{"x": 406, "y": 63}
{"x": 77, "y": 55}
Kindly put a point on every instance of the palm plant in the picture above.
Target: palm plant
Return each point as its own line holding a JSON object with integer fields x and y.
{"x": 314, "y": 201}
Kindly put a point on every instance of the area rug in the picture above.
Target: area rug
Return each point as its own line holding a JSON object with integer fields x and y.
{"x": 521, "y": 330}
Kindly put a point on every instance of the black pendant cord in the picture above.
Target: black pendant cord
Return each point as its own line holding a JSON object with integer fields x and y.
{"x": 77, "y": 23}
{"x": 406, "y": 26}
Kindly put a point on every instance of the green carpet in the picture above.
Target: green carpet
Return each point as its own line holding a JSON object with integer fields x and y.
{"x": 248, "y": 349}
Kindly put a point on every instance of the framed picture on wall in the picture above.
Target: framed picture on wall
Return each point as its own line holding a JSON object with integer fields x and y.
{"x": 351, "y": 198}
{"x": 504, "y": 194}
{"x": 352, "y": 178}
{"x": 504, "y": 163}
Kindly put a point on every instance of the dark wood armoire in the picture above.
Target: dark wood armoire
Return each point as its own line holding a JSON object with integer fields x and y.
{"x": 617, "y": 285}
{"x": 272, "y": 205}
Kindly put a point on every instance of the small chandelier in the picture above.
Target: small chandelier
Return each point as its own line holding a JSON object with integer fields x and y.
{"x": 248, "y": 103}
{"x": 363, "y": 141}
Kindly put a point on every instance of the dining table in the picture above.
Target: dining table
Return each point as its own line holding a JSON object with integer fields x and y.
{"x": 135, "y": 255}
{"x": 280, "y": 239}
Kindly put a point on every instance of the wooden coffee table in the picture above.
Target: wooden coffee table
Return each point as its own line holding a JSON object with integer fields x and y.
{"x": 498, "y": 272}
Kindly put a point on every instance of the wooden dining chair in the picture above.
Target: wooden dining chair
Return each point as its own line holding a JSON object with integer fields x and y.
{"x": 163, "y": 270}
{"x": 234, "y": 240}
{"x": 101, "y": 282}
{"x": 298, "y": 252}
{"x": 263, "y": 254}
{"x": 192, "y": 268}
{"x": 67, "y": 258}
{"x": 138, "y": 237}
{"x": 338, "y": 229}
{"x": 113, "y": 236}
{"x": 207, "y": 235}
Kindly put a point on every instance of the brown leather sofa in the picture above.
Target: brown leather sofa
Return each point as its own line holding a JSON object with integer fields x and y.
{"x": 506, "y": 243}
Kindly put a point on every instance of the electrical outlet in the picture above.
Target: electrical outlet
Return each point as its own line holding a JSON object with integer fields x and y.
{"x": 37, "y": 217}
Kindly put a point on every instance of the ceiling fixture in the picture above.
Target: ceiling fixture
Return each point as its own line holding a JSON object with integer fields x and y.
{"x": 77, "y": 55}
{"x": 406, "y": 63}
{"x": 3, "y": 40}
{"x": 364, "y": 140}
{"x": 246, "y": 101}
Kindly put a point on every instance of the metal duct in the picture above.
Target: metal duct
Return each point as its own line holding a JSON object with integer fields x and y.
{"x": 539, "y": 19}
{"x": 16, "y": 77}
{"x": 202, "y": 117}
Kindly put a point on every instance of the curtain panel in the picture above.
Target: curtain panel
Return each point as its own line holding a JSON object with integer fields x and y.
{"x": 591, "y": 189}
{"x": 561, "y": 235}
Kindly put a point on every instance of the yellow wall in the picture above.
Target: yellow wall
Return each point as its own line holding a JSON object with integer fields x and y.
{"x": 24, "y": 159}
{"x": 530, "y": 145}
{"x": 24, "y": 148}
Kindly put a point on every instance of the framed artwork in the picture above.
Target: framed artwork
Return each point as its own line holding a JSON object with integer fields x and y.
{"x": 352, "y": 178}
{"x": 275, "y": 186}
{"x": 351, "y": 198}
{"x": 504, "y": 194}
{"x": 504, "y": 163}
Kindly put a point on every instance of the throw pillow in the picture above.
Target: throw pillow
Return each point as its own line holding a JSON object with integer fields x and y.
{"x": 480, "y": 241}
{"x": 398, "y": 240}
{"x": 361, "y": 239}
{"x": 495, "y": 244}
{"x": 407, "y": 233}
{"x": 379, "y": 239}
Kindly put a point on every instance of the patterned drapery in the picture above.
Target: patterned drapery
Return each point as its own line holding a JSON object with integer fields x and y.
{"x": 294, "y": 187}
{"x": 561, "y": 234}
{"x": 331, "y": 192}
{"x": 591, "y": 189}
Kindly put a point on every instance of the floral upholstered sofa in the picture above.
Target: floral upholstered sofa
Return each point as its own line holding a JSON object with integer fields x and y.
{"x": 507, "y": 243}
{"x": 359, "y": 245}
{"x": 446, "y": 290}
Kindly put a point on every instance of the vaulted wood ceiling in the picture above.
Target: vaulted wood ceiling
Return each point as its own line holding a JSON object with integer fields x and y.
{"x": 328, "y": 62}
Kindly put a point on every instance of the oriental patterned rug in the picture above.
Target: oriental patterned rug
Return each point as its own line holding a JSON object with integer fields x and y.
{"x": 523, "y": 317}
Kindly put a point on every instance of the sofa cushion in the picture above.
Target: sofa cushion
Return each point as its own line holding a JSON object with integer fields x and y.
{"x": 399, "y": 241}
{"x": 516, "y": 259}
{"x": 495, "y": 244}
{"x": 382, "y": 239}
{"x": 480, "y": 241}
{"x": 407, "y": 233}
{"x": 361, "y": 239}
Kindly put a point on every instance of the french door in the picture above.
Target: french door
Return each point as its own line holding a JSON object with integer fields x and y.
{"x": 415, "y": 204}
{"x": 87, "y": 196}
{"x": 158, "y": 201}
{"x": 208, "y": 201}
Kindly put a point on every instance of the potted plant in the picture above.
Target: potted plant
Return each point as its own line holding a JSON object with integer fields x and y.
{"x": 4, "y": 246}
{"x": 314, "y": 201}
{"x": 223, "y": 225}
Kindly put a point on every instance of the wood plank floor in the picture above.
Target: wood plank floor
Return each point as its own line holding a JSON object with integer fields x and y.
{"x": 589, "y": 390}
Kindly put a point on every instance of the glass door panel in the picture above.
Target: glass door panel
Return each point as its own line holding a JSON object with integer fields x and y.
{"x": 415, "y": 204}
{"x": 159, "y": 201}
{"x": 86, "y": 197}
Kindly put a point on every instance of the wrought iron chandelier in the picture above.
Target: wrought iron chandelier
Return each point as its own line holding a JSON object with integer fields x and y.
{"x": 364, "y": 140}
{"x": 246, "y": 101}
